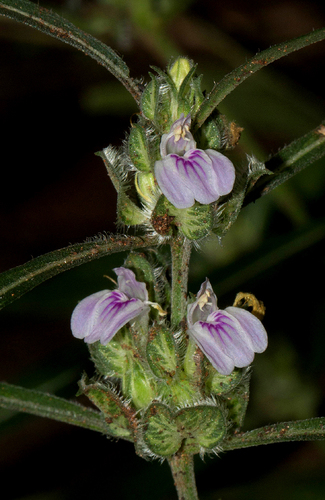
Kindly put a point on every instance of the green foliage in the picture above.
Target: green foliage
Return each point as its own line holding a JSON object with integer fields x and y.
{"x": 198, "y": 429}
{"x": 138, "y": 149}
{"x": 117, "y": 415}
{"x": 161, "y": 352}
{"x": 19, "y": 280}
{"x": 152, "y": 384}
{"x": 58, "y": 27}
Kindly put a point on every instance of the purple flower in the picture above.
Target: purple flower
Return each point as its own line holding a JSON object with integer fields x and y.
{"x": 102, "y": 314}
{"x": 227, "y": 337}
{"x": 185, "y": 174}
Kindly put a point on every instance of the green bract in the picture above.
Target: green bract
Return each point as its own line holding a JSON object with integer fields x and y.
{"x": 155, "y": 381}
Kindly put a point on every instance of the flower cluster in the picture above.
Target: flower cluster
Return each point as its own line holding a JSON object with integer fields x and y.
{"x": 185, "y": 173}
{"x": 229, "y": 338}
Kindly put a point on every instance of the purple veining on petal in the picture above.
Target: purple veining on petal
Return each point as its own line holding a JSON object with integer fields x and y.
{"x": 172, "y": 184}
{"x": 185, "y": 174}
{"x": 252, "y": 326}
{"x": 102, "y": 314}
{"x": 232, "y": 334}
{"x": 223, "y": 363}
{"x": 128, "y": 284}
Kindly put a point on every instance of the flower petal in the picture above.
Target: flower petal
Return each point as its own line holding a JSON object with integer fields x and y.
{"x": 84, "y": 315}
{"x": 101, "y": 315}
{"x": 179, "y": 139}
{"x": 199, "y": 176}
{"x": 205, "y": 304}
{"x": 230, "y": 337}
{"x": 128, "y": 284}
{"x": 224, "y": 171}
{"x": 184, "y": 179}
{"x": 253, "y": 327}
{"x": 206, "y": 342}
{"x": 172, "y": 184}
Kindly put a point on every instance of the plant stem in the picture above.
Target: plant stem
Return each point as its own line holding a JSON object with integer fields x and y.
{"x": 45, "y": 405}
{"x": 181, "y": 252}
{"x": 182, "y": 468}
{"x": 311, "y": 429}
{"x": 19, "y": 280}
{"x": 221, "y": 89}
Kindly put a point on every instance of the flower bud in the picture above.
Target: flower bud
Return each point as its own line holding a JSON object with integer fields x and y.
{"x": 128, "y": 212}
{"x": 118, "y": 415}
{"x": 146, "y": 187}
{"x": 179, "y": 70}
{"x": 150, "y": 99}
{"x": 161, "y": 353}
{"x": 138, "y": 384}
{"x": 221, "y": 384}
{"x": 110, "y": 359}
{"x": 138, "y": 148}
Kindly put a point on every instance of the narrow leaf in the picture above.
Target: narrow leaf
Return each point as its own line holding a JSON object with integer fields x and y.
{"x": 289, "y": 161}
{"x": 46, "y": 405}
{"x": 19, "y": 280}
{"x": 221, "y": 89}
{"x": 56, "y": 26}
{"x": 301, "y": 430}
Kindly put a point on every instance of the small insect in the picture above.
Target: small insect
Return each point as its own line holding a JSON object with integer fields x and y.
{"x": 249, "y": 301}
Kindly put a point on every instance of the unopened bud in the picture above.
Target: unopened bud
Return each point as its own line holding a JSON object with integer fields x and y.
{"x": 179, "y": 70}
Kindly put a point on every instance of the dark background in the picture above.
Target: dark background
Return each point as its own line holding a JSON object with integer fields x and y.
{"x": 57, "y": 109}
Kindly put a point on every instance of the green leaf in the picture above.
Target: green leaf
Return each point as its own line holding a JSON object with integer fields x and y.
{"x": 222, "y": 384}
{"x": 160, "y": 430}
{"x": 196, "y": 428}
{"x": 300, "y": 430}
{"x": 119, "y": 416}
{"x": 138, "y": 148}
{"x": 289, "y": 161}
{"x": 201, "y": 426}
{"x": 150, "y": 99}
{"x": 225, "y": 86}
{"x": 236, "y": 403}
{"x": 56, "y": 26}
{"x": 46, "y": 405}
{"x": 226, "y": 213}
{"x": 110, "y": 359}
{"x": 19, "y": 280}
{"x": 195, "y": 222}
{"x": 161, "y": 352}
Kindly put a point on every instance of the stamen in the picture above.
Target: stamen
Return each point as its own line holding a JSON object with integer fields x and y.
{"x": 111, "y": 279}
{"x": 204, "y": 299}
{"x": 158, "y": 307}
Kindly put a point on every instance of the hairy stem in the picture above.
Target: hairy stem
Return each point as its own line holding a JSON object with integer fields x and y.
{"x": 225, "y": 86}
{"x": 19, "y": 280}
{"x": 312, "y": 429}
{"x": 182, "y": 468}
{"x": 52, "y": 24}
{"x": 45, "y": 405}
{"x": 181, "y": 252}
